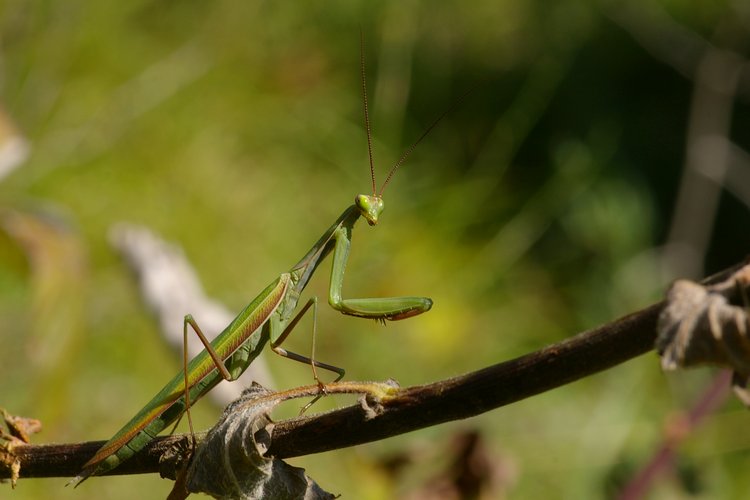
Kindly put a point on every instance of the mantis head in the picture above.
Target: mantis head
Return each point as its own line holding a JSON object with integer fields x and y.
{"x": 369, "y": 207}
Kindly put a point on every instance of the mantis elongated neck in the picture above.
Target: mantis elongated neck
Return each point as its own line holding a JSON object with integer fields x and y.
{"x": 304, "y": 269}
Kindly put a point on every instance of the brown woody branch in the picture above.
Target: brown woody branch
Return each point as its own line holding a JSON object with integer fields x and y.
{"x": 410, "y": 408}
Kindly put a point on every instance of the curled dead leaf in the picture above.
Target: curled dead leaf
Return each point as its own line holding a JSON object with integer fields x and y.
{"x": 230, "y": 463}
{"x": 702, "y": 325}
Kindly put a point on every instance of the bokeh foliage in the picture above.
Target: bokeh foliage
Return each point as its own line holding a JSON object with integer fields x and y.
{"x": 535, "y": 210}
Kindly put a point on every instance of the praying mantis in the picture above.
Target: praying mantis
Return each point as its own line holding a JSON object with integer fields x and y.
{"x": 270, "y": 317}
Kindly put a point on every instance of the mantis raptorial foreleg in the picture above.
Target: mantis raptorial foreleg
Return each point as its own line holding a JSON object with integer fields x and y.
{"x": 381, "y": 309}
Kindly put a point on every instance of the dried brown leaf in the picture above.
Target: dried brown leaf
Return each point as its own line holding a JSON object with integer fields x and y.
{"x": 700, "y": 325}
{"x": 230, "y": 463}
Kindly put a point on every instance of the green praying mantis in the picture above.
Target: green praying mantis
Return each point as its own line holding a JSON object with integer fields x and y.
{"x": 270, "y": 317}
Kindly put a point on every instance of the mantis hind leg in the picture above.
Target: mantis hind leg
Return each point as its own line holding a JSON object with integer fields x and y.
{"x": 211, "y": 352}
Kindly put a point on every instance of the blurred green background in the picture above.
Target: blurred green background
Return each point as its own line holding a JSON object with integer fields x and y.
{"x": 568, "y": 188}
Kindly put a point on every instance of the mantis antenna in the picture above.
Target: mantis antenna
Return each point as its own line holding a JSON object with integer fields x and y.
{"x": 367, "y": 115}
{"x": 369, "y": 131}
